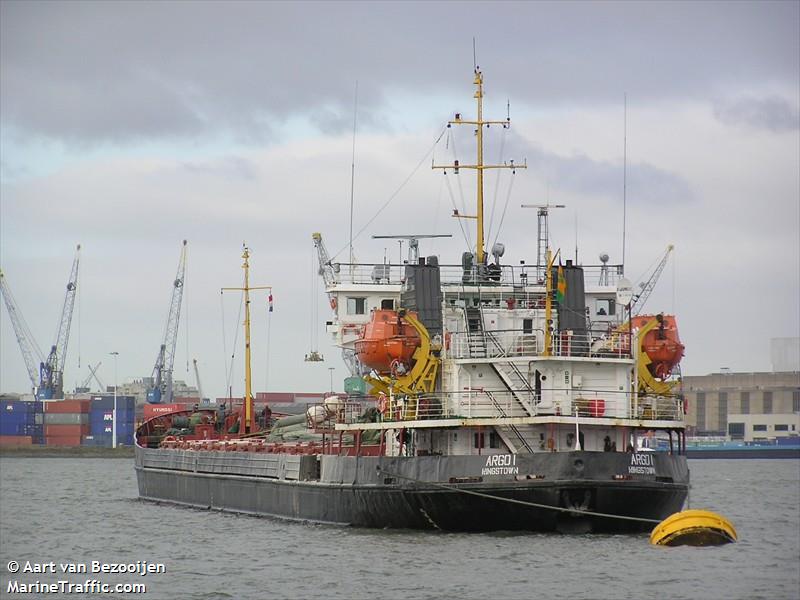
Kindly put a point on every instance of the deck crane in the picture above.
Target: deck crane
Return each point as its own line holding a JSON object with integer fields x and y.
{"x": 647, "y": 287}
{"x": 162, "y": 371}
{"x": 326, "y": 269}
{"x": 197, "y": 378}
{"x": 330, "y": 277}
{"x": 52, "y": 370}
{"x": 31, "y": 353}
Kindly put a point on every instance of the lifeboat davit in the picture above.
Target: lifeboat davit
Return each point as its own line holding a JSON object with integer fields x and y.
{"x": 388, "y": 342}
{"x": 662, "y": 344}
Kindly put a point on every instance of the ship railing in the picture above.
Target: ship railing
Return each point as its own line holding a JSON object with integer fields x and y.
{"x": 503, "y": 343}
{"x": 472, "y": 402}
{"x": 520, "y": 276}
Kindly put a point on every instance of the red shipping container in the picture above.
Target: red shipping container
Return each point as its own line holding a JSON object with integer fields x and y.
{"x": 8, "y": 441}
{"x": 63, "y": 440}
{"x": 66, "y": 430}
{"x": 187, "y": 400}
{"x": 68, "y": 406}
{"x": 154, "y": 410}
{"x": 275, "y": 396}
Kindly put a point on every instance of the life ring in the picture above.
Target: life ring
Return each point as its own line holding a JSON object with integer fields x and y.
{"x": 447, "y": 340}
{"x": 551, "y": 443}
{"x": 333, "y": 303}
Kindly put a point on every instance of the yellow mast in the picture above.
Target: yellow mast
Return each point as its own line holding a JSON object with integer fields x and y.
{"x": 480, "y": 253}
{"x": 247, "y": 418}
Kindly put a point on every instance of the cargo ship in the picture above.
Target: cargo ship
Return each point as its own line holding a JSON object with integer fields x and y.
{"x": 483, "y": 396}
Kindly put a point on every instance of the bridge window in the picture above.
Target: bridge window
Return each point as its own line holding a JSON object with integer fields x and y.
{"x": 387, "y": 304}
{"x": 356, "y": 306}
{"x": 759, "y": 427}
{"x": 494, "y": 440}
{"x": 605, "y": 306}
{"x": 781, "y": 427}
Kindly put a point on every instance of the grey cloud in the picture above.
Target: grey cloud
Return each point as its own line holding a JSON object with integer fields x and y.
{"x": 581, "y": 174}
{"x": 772, "y": 113}
{"x": 232, "y": 167}
{"x": 122, "y": 71}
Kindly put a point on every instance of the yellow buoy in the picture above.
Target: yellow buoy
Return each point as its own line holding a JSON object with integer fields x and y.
{"x": 693, "y": 528}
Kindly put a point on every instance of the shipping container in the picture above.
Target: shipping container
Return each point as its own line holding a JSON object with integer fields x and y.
{"x": 66, "y": 418}
{"x": 107, "y": 402}
{"x": 107, "y": 440}
{"x": 11, "y": 441}
{"x": 153, "y": 410}
{"x": 20, "y": 406}
{"x": 63, "y": 440}
{"x": 102, "y": 428}
{"x": 67, "y": 406}
{"x": 68, "y": 430}
{"x": 9, "y": 428}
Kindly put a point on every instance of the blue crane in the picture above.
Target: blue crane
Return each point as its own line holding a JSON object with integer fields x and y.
{"x": 48, "y": 379}
{"x": 162, "y": 371}
{"x": 52, "y": 369}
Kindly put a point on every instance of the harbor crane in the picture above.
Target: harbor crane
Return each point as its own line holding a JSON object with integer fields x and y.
{"x": 647, "y": 287}
{"x": 92, "y": 374}
{"x": 47, "y": 379}
{"x": 162, "y": 371}
{"x": 31, "y": 354}
{"x": 52, "y": 370}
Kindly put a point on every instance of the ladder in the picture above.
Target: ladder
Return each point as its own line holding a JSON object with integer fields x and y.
{"x": 476, "y": 336}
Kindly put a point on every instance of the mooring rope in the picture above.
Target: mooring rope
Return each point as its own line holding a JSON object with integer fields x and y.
{"x": 523, "y": 502}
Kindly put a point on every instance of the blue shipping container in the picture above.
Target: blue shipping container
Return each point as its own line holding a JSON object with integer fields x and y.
{"x": 108, "y": 429}
{"x": 11, "y": 428}
{"x": 107, "y": 402}
{"x": 106, "y": 440}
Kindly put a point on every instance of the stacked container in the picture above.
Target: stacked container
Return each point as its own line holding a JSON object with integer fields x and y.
{"x": 101, "y": 421}
{"x": 21, "y": 423}
{"x": 154, "y": 410}
{"x": 66, "y": 422}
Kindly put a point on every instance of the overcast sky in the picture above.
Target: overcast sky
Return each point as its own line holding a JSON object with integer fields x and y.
{"x": 128, "y": 127}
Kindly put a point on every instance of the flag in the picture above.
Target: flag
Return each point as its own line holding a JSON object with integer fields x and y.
{"x": 270, "y": 302}
{"x": 561, "y": 287}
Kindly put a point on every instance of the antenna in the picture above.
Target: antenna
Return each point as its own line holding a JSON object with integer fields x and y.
{"x": 624, "y": 174}
{"x": 353, "y": 173}
{"x": 474, "y": 56}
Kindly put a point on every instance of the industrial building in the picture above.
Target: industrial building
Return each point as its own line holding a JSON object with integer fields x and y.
{"x": 743, "y": 406}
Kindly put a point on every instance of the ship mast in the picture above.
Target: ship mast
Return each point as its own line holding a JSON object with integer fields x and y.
{"x": 479, "y": 167}
{"x": 247, "y": 417}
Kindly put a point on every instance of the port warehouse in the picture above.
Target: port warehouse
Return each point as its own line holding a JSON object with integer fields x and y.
{"x": 89, "y": 421}
{"x": 748, "y": 407}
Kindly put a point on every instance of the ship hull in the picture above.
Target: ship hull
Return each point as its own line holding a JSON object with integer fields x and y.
{"x": 447, "y": 493}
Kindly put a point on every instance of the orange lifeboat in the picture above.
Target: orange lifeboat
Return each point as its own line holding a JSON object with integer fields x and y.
{"x": 662, "y": 344}
{"x": 388, "y": 342}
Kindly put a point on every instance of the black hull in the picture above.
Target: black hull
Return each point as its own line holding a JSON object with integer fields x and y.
{"x": 393, "y": 493}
